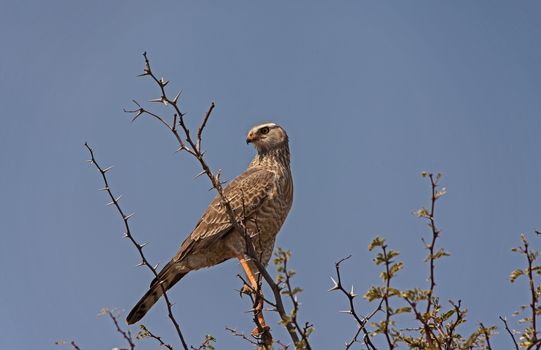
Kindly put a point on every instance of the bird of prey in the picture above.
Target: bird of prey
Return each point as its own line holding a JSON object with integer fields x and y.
{"x": 261, "y": 197}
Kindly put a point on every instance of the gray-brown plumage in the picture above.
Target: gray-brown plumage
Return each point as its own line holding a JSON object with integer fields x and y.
{"x": 262, "y": 196}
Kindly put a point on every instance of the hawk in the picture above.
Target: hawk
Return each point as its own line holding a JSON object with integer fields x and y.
{"x": 261, "y": 197}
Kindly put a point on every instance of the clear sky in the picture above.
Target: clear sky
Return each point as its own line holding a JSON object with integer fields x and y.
{"x": 370, "y": 92}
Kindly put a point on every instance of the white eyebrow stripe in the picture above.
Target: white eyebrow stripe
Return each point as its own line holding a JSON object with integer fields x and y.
{"x": 268, "y": 125}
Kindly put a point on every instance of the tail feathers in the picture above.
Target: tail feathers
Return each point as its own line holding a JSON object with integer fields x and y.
{"x": 168, "y": 277}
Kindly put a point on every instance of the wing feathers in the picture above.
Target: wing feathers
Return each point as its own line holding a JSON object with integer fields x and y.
{"x": 245, "y": 194}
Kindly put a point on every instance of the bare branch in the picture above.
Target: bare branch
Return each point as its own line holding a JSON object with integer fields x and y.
{"x": 509, "y": 332}
{"x": 70, "y": 343}
{"x": 138, "y": 246}
{"x": 236, "y": 333}
{"x": 202, "y": 126}
{"x": 125, "y": 334}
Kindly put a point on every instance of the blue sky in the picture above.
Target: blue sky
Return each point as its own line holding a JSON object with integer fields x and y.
{"x": 370, "y": 92}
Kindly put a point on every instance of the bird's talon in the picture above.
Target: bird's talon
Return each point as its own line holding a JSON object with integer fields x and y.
{"x": 264, "y": 334}
{"x": 246, "y": 289}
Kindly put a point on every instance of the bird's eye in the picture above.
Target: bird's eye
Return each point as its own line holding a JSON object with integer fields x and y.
{"x": 264, "y": 130}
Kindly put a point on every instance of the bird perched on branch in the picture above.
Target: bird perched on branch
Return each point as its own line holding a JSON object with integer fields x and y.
{"x": 260, "y": 197}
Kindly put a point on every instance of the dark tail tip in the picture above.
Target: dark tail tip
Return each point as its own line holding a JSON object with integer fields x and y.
{"x": 134, "y": 316}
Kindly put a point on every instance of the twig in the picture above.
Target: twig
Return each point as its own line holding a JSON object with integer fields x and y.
{"x": 202, "y": 126}
{"x": 71, "y": 343}
{"x": 145, "y": 332}
{"x": 533, "y": 304}
{"x": 509, "y": 332}
{"x": 291, "y": 293}
{"x": 386, "y": 299}
{"x": 431, "y": 255}
{"x": 125, "y": 334}
{"x": 486, "y": 333}
{"x": 430, "y": 247}
{"x": 139, "y": 247}
{"x": 236, "y": 333}
{"x": 459, "y": 317}
{"x": 207, "y": 344}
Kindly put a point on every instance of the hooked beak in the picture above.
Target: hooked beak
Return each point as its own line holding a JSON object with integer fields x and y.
{"x": 250, "y": 138}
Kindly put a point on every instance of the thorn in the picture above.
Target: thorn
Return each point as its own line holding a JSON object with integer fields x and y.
{"x": 163, "y": 82}
{"x": 90, "y": 161}
{"x": 107, "y": 169}
{"x": 141, "y": 246}
{"x": 176, "y": 97}
{"x": 143, "y": 74}
{"x": 125, "y": 235}
{"x": 128, "y": 216}
{"x": 139, "y": 112}
{"x": 181, "y": 148}
{"x": 140, "y": 264}
{"x": 345, "y": 312}
{"x": 201, "y": 173}
{"x": 352, "y": 294}
{"x": 103, "y": 189}
{"x": 160, "y": 100}
{"x": 156, "y": 266}
{"x": 335, "y": 286}
{"x": 115, "y": 200}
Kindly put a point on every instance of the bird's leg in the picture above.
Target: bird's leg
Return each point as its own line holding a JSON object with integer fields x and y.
{"x": 259, "y": 307}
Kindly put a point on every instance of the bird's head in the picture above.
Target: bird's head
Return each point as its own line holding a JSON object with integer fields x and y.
{"x": 266, "y": 137}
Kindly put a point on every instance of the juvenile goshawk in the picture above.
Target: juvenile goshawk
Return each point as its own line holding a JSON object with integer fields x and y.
{"x": 261, "y": 197}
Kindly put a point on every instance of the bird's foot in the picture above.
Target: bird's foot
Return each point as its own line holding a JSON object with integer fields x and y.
{"x": 246, "y": 289}
{"x": 263, "y": 334}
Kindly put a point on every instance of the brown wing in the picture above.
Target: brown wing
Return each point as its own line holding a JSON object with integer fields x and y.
{"x": 245, "y": 194}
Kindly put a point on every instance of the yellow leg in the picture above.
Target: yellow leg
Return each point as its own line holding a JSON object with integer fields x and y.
{"x": 253, "y": 281}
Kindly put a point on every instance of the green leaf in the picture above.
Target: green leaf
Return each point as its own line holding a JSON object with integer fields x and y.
{"x": 515, "y": 274}
{"x": 402, "y": 310}
{"x": 376, "y": 242}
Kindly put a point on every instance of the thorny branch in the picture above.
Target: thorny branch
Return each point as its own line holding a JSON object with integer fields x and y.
{"x": 139, "y": 247}
{"x": 188, "y": 144}
{"x": 361, "y": 322}
{"x": 436, "y": 329}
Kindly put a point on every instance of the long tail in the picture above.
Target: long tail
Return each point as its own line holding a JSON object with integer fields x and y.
{"x": 167, "y": 278}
